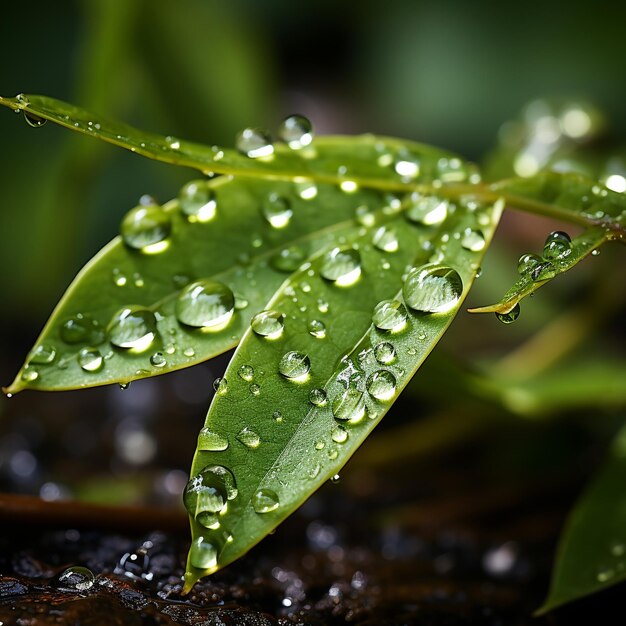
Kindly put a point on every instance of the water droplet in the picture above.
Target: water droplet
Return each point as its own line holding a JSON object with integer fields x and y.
{"x": 76, "y": 578}
{"x": 43, "y": 354}
{"x": 158, "y": 360}
{"x": 605, "y": 575}
{"x": 322, "y": 306}
{"x": 29, "y": 374}
{"x": 34, "y": 121}
{"x": 432, "y": 288}
{"x": 339, "y": 434}
{"x": 427, "y": 210}
{"x": 558, "y": 246}
{"x": 277, "y": 211}
{"x": 90, "y": 359}
{"x": 385, "y": 353}
{"x": 265, "y": 500}
{"x": 288, "y": 259}
{"x": 385, "y": 239}
{"x": 207, "y": 492}
{"x": 618, "y": 549}
{"x": 119, "y": 278}
{"x": 341, "y": 266}
{"x": 365, "y": 216}
{"x": 296, "y": 131}
{"x": 206, "y": 304}
{"x": 511, "y": 316}
{"x": 277, "y": 416}
{"x": 255, "y": 389}
{"x": 249, "y": 438}
{"x": 133, "y": 328}
{"x": 527, "y": 263}
{"x": 349, "y": 406}
{"x": 197, "y": 201}
{"x": 268, "y": 324}
{"x": 203, "y": 554}
{"x": 317, "y": 397}
{"x": 170, "y": 348}
{"x": 381, "y": 385}
{"x": 317, "y": 329}
{"x": 335, "y": 479}
{"x": 189, "y": 352}
{"x": 473, "y": 240}
{"x": 390, "y": 315}
{"x": 220, "y": 386}
{"x": 348, "y": 186}
{"x": 82, "y": 329}
{"x": 254, "y": 143}
{"x": 146, "y": 228}
{"x": 294, "y": 365}
{"x": 210, "y": 441}
{"x": 543, "y": 271}
{"x": 407, "y": 169}
{"x": 246, "y": 372}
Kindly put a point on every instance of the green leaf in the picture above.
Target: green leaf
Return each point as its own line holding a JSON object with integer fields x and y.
{"x": 375, "y": 162}
{"x": 269, "y": 425}
{"x": 592, "y": 550}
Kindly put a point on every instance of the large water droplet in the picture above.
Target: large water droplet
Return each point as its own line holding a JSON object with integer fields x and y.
{"x": 473, "y": 240}
{"x": 34, "y": 120}
{"x": 277, "y": 211}
{"x": 254, "y": 143}
{"x": 76, "y": 578}
{"x": 146, "y": 228}
{"x": 341, "y": 266}
{"x": 158, "y": 360}
{"x": 527, "y": 263}
{"x": 82, "y": 329}
{"x": 381, "y": 385}
{"x": 558, "y": 245}
{"x": 211, "y": 441}
{"x": 288, "y": 259}
{"x": 268, "y": 324}
{"x": 90, "y": 359}
{"x": 43, "y": 354}
{"x": 427, "y": 210}
{"x": 339, "y": 434}
{"x": 203, "y": 554}
{"x": 390, "y": 315}
{"x": 432, "y": 288}
{"x": 296, "y": 131}
{"x": 385, "y": 239}
{"x": 249, "y": 438}
{"x": 349, "y": 406}
{"x": 265, "y": 500}
{"x": 133, "y": 328}
{"x": 294, "y": 365}
{"x": 207, "y": 492}
{"x": 206, "y": 304}
{"x": 317, "y": 397}
{"x": 511, "y": 316}
{"x": 317, "y": 328}
{"x": 197, "y": 201}
{"x": 385, "y": 353}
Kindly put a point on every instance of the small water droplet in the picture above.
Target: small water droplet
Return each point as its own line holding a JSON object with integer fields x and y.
{"x": 220, "y": 386}
{"x": 207, "y": 492}
{"x": 254, "y": 143}
{"x": 288, "y": 259}
{"x": 294, "y": 365}
{"x": 90, "y": 359}
{"x": 119, "y": 278}
{"x": 265, "y": 501}
{"x": 317, "y": 397}
{"x": 381, "y": 385}
{"x": 255, "y": 389}
{"x": 203, "y": 554}
{"x": 132, "y": 328}
{"x": 189, "y": 352}
{"x": 76, "y": 578}
{"x": 269, "y": 324}
{"x": 385, "y": 353}
{"x": 473, "y": 240}
{"x": 277, "y": 416}
{"x": 427, "y": 210}
{"x": 277, "y": 211}
{"x": 342, "y": 266}
{"x": 385, "y": 239}
{"x": 146, "y": 228}
{"x": 197, "y": 201}
{"x": 558, "y": 246}
{"x": 211, "y": 441}
{"x": 349, "y": 406}
{"x": 246, "y": 372}
{"x": 43, "y": 354}
{"x": 390, "y": 315}
{"x": 249, "y": 438}
{"x": 365, "y": 216}
{"x": 82, "y": 329}
{"x": 317, "y": 328}
{"x": 432, "y": 288}
{"x": 544, "y": 270}
{"x": 407, "y": 169}
{"x": 339, "y": 434}
{"x": 605, "y": 575}
{"x": 29, "y": 374}
{"x": 296, "y": 131}
{"x": 322, "y": 306}
{"x": 335, "y": 479}
{"x": 206, "y": 304}
{"x": 158, "y": 360}
{"x": 511, "y": 316}
{"x": 527, "y": 263}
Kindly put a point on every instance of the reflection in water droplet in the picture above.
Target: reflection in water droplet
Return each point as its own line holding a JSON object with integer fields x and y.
{"x": 296, "y": 131}
{"x": 203, "y": 554}
{"x": 268, "y": 324}
{"x": 427, "y": 210}
{"x": 432, "y": 288}
{"x": 206, "y": 304}
{"x": 133, "y": 328}
{"x": 146, "y": 228}
{"x": 390, "y": 315}
{"x": 207, "y": 492}
{"x": 294, "y": 365}
{"x": 527, "y": 263}
{"x": 197, "y": 201}
{"x": 341, "y": 266}
{"x": 385, "y": 353}
{"x": 544, "y": 270}
{"x": 277, "y": 211}
{"x": 158, "y": 360}
{"x": 317, "y": 397}
{"x": 265, "y": 500}
{"x": 220, "y": 386}
{"x": 349, "y": 406}
{"x": 43, "y": 354}
{"x": 385, "y": 239}
{"x": 29, "y": 374}
{"x": 249, "y": 438}
{"x": 511, "y": 316}
{"x": 317, "y": 329}
{"x": 473, "y": 240}
{"x": 381, "y": 385}
{"x": 76, "y": 578}
{"x": 246, "y": 372}
{"x": 339, "y": 434}
{"x": 33, "y": 120}
{"x": 558, "y": 246}
{"x": 210, "y": 441}
{"x": 254, "y": 143}
{"x": 90, "y": 359}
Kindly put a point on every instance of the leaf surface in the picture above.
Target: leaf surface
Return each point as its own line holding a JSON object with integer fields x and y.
{"x": 282, "y": 435}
